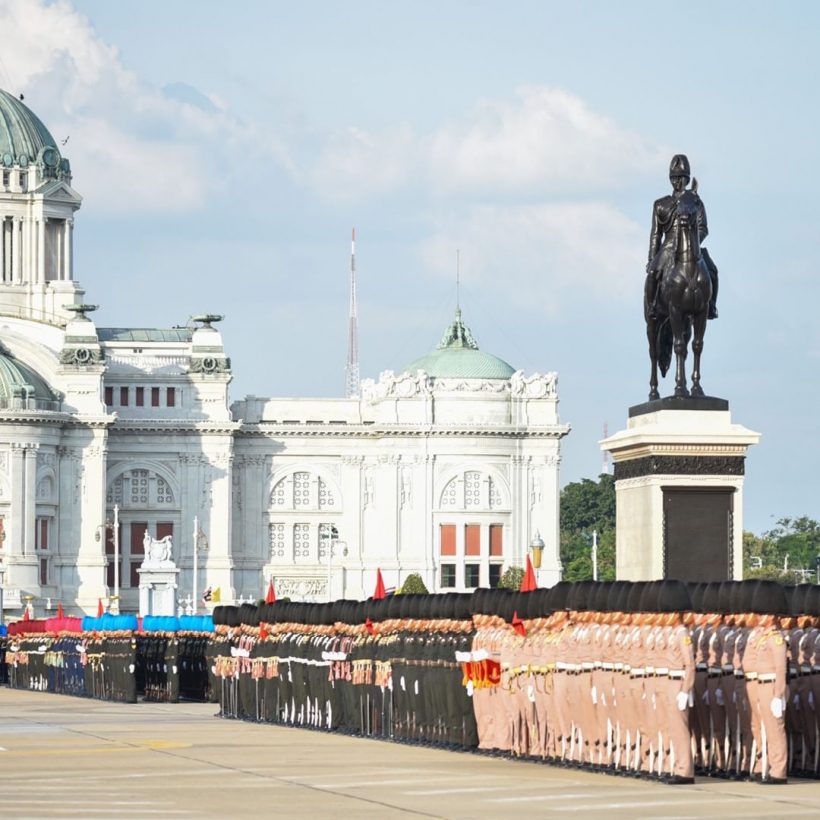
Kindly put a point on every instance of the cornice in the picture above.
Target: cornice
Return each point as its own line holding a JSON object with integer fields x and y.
{"x": 263, "y": 430}
{"x": 175, "y": 426}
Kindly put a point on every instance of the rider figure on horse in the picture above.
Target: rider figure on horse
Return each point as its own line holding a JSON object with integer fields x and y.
{"x": 662, "y": 238}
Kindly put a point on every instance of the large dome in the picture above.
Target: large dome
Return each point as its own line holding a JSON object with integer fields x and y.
{"x": 24, "y": 140}
{"x": 21, "y": 388}
{"x": 458, "y": 357}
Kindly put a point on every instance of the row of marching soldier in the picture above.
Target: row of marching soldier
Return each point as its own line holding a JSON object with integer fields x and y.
{"x": 654, "y": 680}
{"x": 110, "y": 657}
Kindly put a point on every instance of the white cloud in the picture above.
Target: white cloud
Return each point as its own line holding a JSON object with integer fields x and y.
{"x": 545, "y": 141}
{"x": 541, "y": 257}
{"x": 132, "y": 146}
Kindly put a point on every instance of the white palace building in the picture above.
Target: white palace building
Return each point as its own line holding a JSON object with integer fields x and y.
{"x": 447, "y": 468}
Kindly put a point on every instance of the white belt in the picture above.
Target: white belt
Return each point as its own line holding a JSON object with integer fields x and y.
{"x": 587, "y": 666}
{"x": 677, "y": 674}
{"x": 560, "y": 665}
{"x": 660, "y": 671}
{"x": 767, "y": 677}
{"x": 619, "y": 667}
{"x": 727, "y": 667}
{"x": 608, "y": 666}
{"x": 650, "y": 670}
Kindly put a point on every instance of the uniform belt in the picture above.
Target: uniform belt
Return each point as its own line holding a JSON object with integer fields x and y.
{"x": 751, "y": 676}
{"x": 650, "y": 670}
{"x": 739, "y": 674}
{"x": 677, "y": 674}
{"x": 586, "y": 667}
{"x": 714, "y": 670}
{"x": 767, "y": 677}
{"x": 637, "y": 673}
{"x": 619, "y": 667}
{"x": 701, "y": 667}
{"x": 805, "y": 669}
{"x": 728, "y": 669}
{"x": 610, "y": 666}
{"x": 711, "y": 674}
{"x": 660, "y": 671}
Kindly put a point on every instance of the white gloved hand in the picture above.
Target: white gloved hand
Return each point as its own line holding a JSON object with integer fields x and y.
{"x": 469, "y": 688}
{"x": 682, "y": 699}
{"x": 594, "y": 693}
{"x": 531, "y": 693}
{"x": 777, "y": 707}
{"x": 719, "y": 697}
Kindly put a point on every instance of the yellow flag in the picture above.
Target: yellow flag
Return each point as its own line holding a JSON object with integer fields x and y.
{"x": 216, "y": 595}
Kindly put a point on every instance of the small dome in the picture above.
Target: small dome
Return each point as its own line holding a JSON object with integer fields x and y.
{"x": 458, "y": 357}
{"x": 21, "y": 388}
{"x": 24, "y": 140}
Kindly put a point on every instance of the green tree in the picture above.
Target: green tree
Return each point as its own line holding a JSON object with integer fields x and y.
{"x": 789, "y": 550}
{"x": 588, "y": 506}
{"x": 511, "y": 579}
{"x": 413, "y": 585}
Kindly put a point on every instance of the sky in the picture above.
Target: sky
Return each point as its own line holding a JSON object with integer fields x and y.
{"x": 224, "y": 151}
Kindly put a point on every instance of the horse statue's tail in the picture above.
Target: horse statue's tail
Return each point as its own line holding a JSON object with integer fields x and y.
{"x": 664, "y": 346}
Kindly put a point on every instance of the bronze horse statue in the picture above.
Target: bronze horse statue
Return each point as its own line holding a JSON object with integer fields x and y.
{"x": 681, "y": 308}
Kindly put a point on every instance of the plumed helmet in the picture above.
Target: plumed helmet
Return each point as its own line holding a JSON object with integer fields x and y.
{"x": 679, "y": 167}
{"x": 673, "y": 596}
{"x": 649, "y": 597}
{"x": 559, "y": 595}
{"x": 769, "y": 599}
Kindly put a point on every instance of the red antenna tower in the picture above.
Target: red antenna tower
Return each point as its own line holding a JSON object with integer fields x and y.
{"x": 352, "y": 367}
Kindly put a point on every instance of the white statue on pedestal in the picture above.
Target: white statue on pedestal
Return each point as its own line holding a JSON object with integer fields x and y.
{"x": 157, "y": 550}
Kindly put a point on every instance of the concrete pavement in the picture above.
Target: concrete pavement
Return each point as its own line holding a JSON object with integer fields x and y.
{"x": 62, "y": 757}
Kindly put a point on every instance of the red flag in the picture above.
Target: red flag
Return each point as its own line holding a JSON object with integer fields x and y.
{"x": 518, "y": 625}
{"x": 270, "y": 598}
{"x": 369, "y": 626}
{"x": 528, "y": 582}
{"x": 60, "y": 613}
{"x": 380, "y": 591}
{"x": 100, "y": 609}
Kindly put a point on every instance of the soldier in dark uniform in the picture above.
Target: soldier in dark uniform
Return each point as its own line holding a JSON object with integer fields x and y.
{"x": 662, "y": 236}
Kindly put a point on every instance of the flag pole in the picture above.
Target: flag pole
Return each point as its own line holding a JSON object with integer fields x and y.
{"x": 196, "y": 530}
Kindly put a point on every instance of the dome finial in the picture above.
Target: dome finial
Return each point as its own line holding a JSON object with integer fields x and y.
{"x": 458, "y": 335}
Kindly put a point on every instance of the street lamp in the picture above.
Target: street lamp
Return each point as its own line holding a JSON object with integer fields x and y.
{"x": 2, "y": 576}
{"x": 198, "y": 536}
{"x": 331, "y": 535}
{"x": 537, "y": 549}
{"x": 115, "y": 526}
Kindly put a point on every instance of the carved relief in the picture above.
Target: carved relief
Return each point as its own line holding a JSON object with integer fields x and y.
{"x": 81, "y": 356}
{"x": 368, "y": 497}
{"x": 406, "y": 487}
{"x": 679, "y": 465}
{"x": 210, "y": 365}
{"x": 535, "y": 386}
{"x": 301, "y": 587}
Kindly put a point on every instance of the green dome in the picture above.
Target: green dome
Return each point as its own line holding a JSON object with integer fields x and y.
{"x": 458, "y": 357}
{"x": 23, "y": 389}
{"x": 23, "y": 137}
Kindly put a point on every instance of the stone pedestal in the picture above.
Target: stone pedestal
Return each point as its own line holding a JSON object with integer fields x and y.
{"x": 158, "y": 586}
{"x": 679, "y": 469}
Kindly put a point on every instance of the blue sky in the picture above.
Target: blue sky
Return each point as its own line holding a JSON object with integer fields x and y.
{"x": 225, "y": 150}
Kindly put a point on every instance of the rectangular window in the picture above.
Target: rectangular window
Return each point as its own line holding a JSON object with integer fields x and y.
{"x": 23, "y": 181}
{"x": 109, "y": 396}
{"x": 170, "y": 397}
{"x": 495, "y": 575}
{"x": 137, "y": 529}
{"x": 109, "y": 574}
{"x": 139, "y": 396}
{"x": 5, "y": 179}
{"x": 154, "y": 397}
{"x": 472, "y": 540}
{"x": 41, "y": 535}
{"x": 447, "y": 537}
{"x": 123, "y": 397}
{"x": 471, "y": 573}
{"x": 43, "y": 571}
{"x": 448, "y": 576}
{"x": 165, "y": 529}
{"x": 496, "y": 541}
{"x": 135, "y": 576}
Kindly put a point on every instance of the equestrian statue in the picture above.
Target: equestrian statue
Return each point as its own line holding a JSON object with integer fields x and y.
{"x": 680, "y": 293}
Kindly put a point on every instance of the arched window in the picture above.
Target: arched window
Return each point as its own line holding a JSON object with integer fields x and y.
{"x": 472, "y": 490}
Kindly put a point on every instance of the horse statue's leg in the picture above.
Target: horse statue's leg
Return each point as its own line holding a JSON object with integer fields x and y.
{"x": 699, "y": 325}
{"x": 677, "y": 322}
{"x": 652, "y": 336}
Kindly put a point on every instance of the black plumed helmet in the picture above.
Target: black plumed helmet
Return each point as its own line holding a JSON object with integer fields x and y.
{"x": 769, "y": 599}
{"x": 697, "y": 596}
{"x": 633, "y": 601}
{"x": 673, "y": 596}
{"x": 710, "y": 602}
{"x": 601, "y": 603}
{"x": 559, "y": 595}
{"x": 649, "y": 597}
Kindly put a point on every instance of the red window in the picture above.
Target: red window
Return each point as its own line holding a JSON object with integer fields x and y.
{"x": 42, "y": 533}
{"x": 139, "y": 397}
{"x": 170, "y": 396}
{"x": 43, "y": 571}
{"x": 165, "y": 529}
{"x": 137, "y": 535}
{"x": 135, "y": 576}
{"x": 496, "y": 540}
{"x": 472, "y": 539}
{"x": 109, "y": 396}
{"x": 109, "y": 539}
{"x": 448, "y": 539}
{"x": 154, "y": 397}
{"x": 123, "y": 397}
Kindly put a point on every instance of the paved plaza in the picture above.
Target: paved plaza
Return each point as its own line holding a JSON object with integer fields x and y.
{"x": 70, "y": 758}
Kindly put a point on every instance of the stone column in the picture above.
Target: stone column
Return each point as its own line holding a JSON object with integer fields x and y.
{"x": 30, "y": 492}
{"x": 16, "y": 229}
{"x": 68, "y": 263}
{"x": 14, "y": 536}
{"x": 40, "y": 238}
